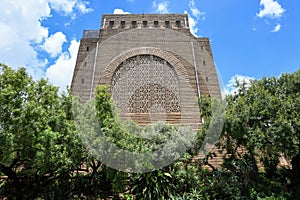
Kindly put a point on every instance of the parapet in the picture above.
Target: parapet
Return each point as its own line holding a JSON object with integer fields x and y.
{"x": 128, "y": 21}
{"x": 90, "y": 34}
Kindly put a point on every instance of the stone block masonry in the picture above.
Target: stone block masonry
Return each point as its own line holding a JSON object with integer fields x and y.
{"x": 155, "y": 67}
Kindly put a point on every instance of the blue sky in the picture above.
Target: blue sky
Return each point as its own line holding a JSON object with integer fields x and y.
{"x": 249, "y": 39}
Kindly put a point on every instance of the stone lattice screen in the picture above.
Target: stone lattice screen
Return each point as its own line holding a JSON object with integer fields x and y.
{"x": 146, "y": 83}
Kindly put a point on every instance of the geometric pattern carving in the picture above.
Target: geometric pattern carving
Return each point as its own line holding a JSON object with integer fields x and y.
{"x": 145, "y": 84}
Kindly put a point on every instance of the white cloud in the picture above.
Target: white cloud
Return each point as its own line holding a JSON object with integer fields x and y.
{"x": 276, "y": 28}
{"x": 22, "y": 33}
{"x": 61, "y": 72}
{"x": 65, "y": 6}
{"x": 53, "y": 44}
{"x": 68, "y": 6}
{"x": 195, "y": 17}
{"x": 120, "y": 11}
{"x": 161, "y": 7}
{"x": 195, "y": 11}
{"x": 230, "y": 87}
{"x": 20, "y": 27}
{"x": 193, "y": 24}
{"x": 271, "y": 9}
{"x": 82, "y": 7}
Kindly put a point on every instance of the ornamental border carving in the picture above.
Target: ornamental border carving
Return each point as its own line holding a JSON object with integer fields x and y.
{"x": 113, "y": 65}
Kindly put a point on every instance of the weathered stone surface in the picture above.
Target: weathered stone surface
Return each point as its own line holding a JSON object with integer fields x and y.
{"x": 166, "y": 36}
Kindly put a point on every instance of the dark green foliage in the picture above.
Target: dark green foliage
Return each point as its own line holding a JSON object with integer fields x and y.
{"x": 38, "y": 144}
{"x": 42, "y": 156}
{"x": 264, "y": 119}
{"x": 153, "y": 185}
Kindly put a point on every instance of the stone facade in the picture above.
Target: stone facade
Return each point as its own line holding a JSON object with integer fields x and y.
{"x": 152, "y": 62}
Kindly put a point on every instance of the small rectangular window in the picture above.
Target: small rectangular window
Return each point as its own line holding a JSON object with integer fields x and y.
{"x": 122, "y": 24}
{"x": 206, "y": 79}
{"x": 85, "y": 64}
{"x": 167, "y": 24}
{"x": 155, "y": 23}
{"x": 178, "y": 24}
{"x": 145, "y": 23}
{"x": 111, "y": 24}
{"x": 204, "y": 62}
{"x": 82, "y": 80}
{"x": 87, "y": 48}
{"x": 133, "y": 24}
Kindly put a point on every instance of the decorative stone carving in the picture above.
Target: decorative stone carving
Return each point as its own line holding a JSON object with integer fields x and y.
{"x": 146, "y": 83}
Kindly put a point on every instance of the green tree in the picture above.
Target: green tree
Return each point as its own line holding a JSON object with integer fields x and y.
{"x": 38, "y": 142}
{"x": 264, "y": 119}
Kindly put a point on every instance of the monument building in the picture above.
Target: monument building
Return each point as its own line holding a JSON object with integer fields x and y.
{"x": 155, "y": 67}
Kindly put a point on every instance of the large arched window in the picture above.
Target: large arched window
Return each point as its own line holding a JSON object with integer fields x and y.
{"x": 146, "y": 84}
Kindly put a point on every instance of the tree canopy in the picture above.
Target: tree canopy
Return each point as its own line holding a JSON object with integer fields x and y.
{"x": 43, "y": 154}
{"x": 264, "y": 119}
{"x": 37, "y": 141}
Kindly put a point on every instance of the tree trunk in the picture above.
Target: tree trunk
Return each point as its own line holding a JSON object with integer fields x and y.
{"x": 295, "y": 184}
{"x": 15, "y": 179}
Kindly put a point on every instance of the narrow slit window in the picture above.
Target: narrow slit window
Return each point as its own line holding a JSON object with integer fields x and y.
{"x": 133, "y": 24}
{"x": 82, "y": 80}
{"x": 87, "y": 48}
{"x": 167, "y": 24}
{"x": 206, "y": 79}
{"x": 145, "y": 23}
{"x": 122, "y": 24}
{"x": 204, "y": 62}
{"x": 111, "y": 24}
